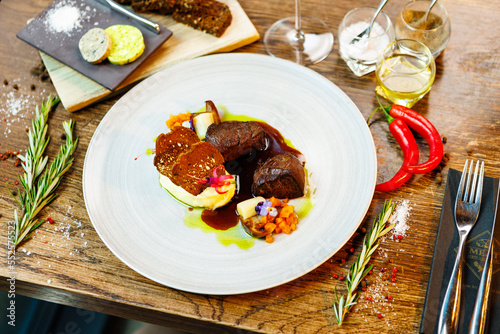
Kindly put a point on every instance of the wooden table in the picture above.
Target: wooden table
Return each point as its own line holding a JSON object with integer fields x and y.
{"x": 79, "y": 270}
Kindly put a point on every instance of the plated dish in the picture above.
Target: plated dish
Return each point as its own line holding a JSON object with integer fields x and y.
{"x": 155, "y": 236}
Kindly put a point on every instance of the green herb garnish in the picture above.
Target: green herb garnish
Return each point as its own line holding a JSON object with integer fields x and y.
{"x": 39, "y": 189}
{"x": 359, "y": 268}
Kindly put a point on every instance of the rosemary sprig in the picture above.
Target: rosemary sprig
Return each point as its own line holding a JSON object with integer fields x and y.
{"x": 39, "y": 188}
{"x": 359, "y": 268}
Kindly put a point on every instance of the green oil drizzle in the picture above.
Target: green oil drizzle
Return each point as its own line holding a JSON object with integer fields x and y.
{"x": 232, "y": 236}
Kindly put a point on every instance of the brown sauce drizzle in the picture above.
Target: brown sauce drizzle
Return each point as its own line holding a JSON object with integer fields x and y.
{"x": 226, "y": 217}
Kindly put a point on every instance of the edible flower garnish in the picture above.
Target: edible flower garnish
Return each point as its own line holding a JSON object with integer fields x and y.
{"x": 149, "y": 151}
{"x": 266, "y": 208}
{"x": 217, "y": 181}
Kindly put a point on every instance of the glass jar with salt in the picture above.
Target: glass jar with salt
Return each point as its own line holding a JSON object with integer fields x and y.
{"x": 360, "y": 53}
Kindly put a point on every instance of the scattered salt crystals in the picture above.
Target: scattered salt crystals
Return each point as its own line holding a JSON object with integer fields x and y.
{"x": 85, "y": 243}
{"x": 67, "y": 16}
{"x": 16, "y": 108}
{"x": 15, "y": 105}
{"x": 29, "y": 253}
{"x": 63, "y": 18}
{"x": 400, "y": 218}
{"x": 48, "y": 281}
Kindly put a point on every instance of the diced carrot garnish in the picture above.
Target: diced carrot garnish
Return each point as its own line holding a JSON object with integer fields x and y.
{"x": 269, "y": 227}
{"x": 269, "y": 239}
{"x": 286, "y": 211}
{"x": 176, "y": 120}
{"x": 275, "y": 202}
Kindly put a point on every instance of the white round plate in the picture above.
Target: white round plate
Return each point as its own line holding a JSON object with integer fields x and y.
{"x": 144, "y": 227}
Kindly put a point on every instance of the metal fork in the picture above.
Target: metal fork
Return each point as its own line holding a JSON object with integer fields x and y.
{"x": 467, "y": 207}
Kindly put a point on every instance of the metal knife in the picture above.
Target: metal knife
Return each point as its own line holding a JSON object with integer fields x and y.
{"x": 479, "y": 315}
{"x": 145, "y": 22}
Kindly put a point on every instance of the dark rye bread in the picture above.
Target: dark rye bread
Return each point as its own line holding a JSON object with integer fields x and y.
{"x": 210, "y": 16}
{"x": 162, "y": 6}
{"x": 197, "y": 163}
{"x": 281, "y": 176}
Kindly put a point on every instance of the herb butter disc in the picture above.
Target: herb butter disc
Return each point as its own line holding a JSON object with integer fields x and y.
{"x": 95, "y": 45}
{"x": 128, "y": 44}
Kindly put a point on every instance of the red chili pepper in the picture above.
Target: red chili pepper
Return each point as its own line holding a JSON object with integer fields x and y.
{"x": 403, "y": 135}
{"x": 422, "y": 126}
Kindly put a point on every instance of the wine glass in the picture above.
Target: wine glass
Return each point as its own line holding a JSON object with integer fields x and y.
{"x": 304, "y": 40}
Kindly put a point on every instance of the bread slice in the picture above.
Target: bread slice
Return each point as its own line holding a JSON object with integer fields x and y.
{"x": 162, "y": 6}
{"x": 95, "y": 45}
{"x": 210, "y": 16}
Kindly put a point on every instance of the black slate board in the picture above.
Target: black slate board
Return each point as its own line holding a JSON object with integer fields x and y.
{"x": 63, "y": 45}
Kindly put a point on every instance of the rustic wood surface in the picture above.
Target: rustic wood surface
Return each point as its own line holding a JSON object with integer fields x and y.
{"x": 77, "y": 269}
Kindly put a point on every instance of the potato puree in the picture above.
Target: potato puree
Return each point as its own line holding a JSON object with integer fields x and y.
{"x": 209, "y": 198}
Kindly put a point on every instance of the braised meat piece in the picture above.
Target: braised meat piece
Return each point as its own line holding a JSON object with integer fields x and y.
{"x": 281, "y": 176}
{"x": 235, "y": 139}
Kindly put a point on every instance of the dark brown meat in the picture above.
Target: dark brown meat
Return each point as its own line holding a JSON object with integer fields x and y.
{"x": 235, "y": 139}
{"x": 281, "y": 176}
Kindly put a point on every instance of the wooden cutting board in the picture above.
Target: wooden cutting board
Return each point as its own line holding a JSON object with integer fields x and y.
{"x": 76, "y": 91}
